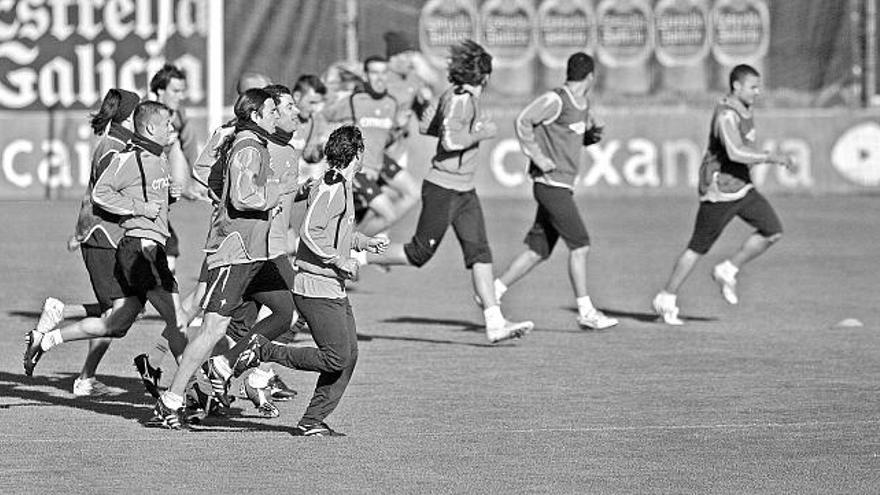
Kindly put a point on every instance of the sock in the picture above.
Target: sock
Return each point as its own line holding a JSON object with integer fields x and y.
{"x": 259, "y": 378}
{"x": 171, "y": 400}
{"x": 493, "y": 316}
{"x": 51, "y": 339}
{"x": 221, "y": 364}
{"x": 157, "y": 353}
{"x": 585, "y": 305}
{"x": 729, "y": 267}
{"x": 500, "y": 289}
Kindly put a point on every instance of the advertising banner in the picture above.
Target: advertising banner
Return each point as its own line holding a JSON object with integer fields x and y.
{"x": 57, "y": 59}
{"x": 681, "y": 43}
{"x": 507, "y": 31}
{"x": 740, "y": 32}
{"x": 443, "y": 23}
{"x": 659, "y": 151}
{"x": 625, "y": 44}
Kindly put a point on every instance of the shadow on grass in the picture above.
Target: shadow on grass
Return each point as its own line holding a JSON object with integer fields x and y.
{"x": 646, "y": 317}
{"x": 135, "y": 406}
{"x": 464, "y": 326}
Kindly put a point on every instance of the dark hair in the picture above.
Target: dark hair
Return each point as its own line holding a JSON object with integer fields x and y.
{"x": 276, "y": 90}
{"x": 307, "y": 81}
{"x": 116, "y": 106}
{"x": 373, "y": 59}
{"x": 469, "y": 63}
{"x": 580, "y": 65}
{"x": 344, "y": 144}
{"x": 161, "y": 79}
{"x": 740, "y": 72}
{"x": 145, "y": 112}
{"x": 252, "y": 100}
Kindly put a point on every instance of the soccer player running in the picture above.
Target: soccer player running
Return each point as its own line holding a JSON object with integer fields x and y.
{"x": 375, "y": 112}
{"x": 168, "y": 86}
{"x": 237, "y": 247}
{"x": 137, "y": 187}
{"x": 552, "y": 130}
{"x": 448, "y": 193}
{"x": 324, "y": 265}
{"x": 726, "y": 191}
{"x": 97, "y": 233}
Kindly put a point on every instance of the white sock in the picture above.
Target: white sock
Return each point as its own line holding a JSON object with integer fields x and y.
{"x": 171, "y": 400}
{"x": 668, "y": 297}
{"x": 51, "y": 339}
{"x": 259, "y": 378}
{"x": 585, "y": 305}
{"x": 493, "y": 316}
{"x": 500, "y": 289}
{"x": 222, "y": 365}
{"x": 729, "y": 267}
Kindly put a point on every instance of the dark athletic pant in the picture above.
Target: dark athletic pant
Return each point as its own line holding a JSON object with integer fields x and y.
{"x": 333, "y": 329}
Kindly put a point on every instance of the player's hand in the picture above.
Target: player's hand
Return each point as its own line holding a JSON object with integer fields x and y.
{"x": 73, "y": 243}
{"x": 378, "y": 244}
{"x": 152, "y": 208}
{"x": 593, "y": 135}
{"x": 783, "y": 160}
{"x": 486, "y": 129}
{"x": 175, "y": 190}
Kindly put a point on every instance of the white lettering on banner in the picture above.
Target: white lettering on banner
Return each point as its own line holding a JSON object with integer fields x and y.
{"x": 602, "y": 166}
{"x": 649, "y": 164}
{"x": 641, "y": 169}
{"x": 677, "y": 151}
{"x": 500, "y": 152}
{"x": 74, "y": 74}
{"x": 7, "y": 161}
{"x": 55, "y": 165}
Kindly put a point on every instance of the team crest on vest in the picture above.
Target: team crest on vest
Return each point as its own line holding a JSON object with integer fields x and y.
{"x": 579, "y": 127}
{"x": 751, "y": 136}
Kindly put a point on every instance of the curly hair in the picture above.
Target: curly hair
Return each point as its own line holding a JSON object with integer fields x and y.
{"x": 469, "y": 63}
{"x": 343, "y": 146}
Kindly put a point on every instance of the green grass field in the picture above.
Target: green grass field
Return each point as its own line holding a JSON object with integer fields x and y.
{"x": 765, "y": 397}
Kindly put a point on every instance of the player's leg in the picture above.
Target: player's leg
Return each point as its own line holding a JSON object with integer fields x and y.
{"x": 757, "y": 212}
{"x": 540, "y": 240}
{"x": 407, "y": 189}
{"x": 434, "y": 219}
{"x": 172, "y": 249}
{"x": 379, "y": 217}
{"x": 470, "y": 229}
{"x": 710, "y": 222}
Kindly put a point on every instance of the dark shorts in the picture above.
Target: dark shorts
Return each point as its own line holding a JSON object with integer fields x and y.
{"x": 754, "y": 209}
{"x": 440, "y": 208}
{"x": 366, "y": 189}
{"x": 276, "y": 275}
{"x": 227, "y": 286}
{"x": 557, "y": 216}
{"x": 101, "y": 265}
{"x": 142, "y": 266}
{"x": 172, "y": 245}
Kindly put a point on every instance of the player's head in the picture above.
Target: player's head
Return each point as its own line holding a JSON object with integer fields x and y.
{"x": 580, "y": 69}
{"x": 745, "y": 83}
{"x": 250, "y": 80}
{"x": 308, "y": 95}
{"x": 117, "y": 106}
{"x": 469, "y": 63}
{"x": 376, "y": 72}
{"x": 169, "y": 86}
{"x": 343, "y": 148}
{"x": 399, "y": 50}
{"x": 152, "y": 120}
{"x": 257, "y": 106}
{"x": 288, "y": 115}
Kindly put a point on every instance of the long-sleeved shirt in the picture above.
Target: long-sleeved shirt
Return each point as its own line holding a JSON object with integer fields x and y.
{"x": 94, "y": 226}
{"x": 240, "y": 227}
{"x": 458, "y": 129}
{"x": 551, "y": 131}
{"x": 731, "y": 152}
{"x": 284, "y": 160}
{"x": 327, "y": 237}
{"x": 134, "y": 178}
{"x": 376, "y": 118}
